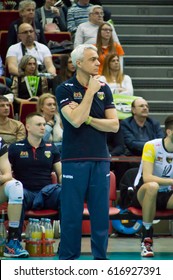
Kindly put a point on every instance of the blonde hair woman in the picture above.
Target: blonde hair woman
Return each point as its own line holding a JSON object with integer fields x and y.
{"x": 47, "y": 106}
{"x": 28, "y": 86}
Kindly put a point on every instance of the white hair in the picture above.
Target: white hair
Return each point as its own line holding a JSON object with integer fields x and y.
{"x": 78, "y": 52}
{"x": 92, "y": 8}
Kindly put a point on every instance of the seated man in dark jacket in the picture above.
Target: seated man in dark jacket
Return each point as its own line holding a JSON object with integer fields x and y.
{"x": 139, "y": 128}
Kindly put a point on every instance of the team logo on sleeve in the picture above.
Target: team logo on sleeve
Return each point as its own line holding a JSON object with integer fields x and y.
{"x": 47, "y": 154}
{"x": 77, "y": 95}
{"x": 169, "y": 159}
{"x": 100, "y": 95}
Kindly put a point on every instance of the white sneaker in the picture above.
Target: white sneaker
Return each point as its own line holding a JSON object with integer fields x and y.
{"x": 146, "y": 247}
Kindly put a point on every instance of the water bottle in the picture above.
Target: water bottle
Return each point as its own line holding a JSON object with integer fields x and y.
{"x": 46, "y": 75}
{"x": 3, "y": 236}
{"x": 36, "y": 235}
{"x": 48, "y": 229}
{"x": 42, "y": 222}
{"x": 28, "y": 229}
{"x": 49, "y": 237}
{"x": 28, "y": 234}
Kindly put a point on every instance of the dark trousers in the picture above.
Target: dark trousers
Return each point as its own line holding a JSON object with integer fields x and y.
{"x": 49, "y": 200}
{"x": 84, "y": 181}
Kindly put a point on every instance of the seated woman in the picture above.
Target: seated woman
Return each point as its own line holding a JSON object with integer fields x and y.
{"x": 47, "y": 106}
{"x": 66, "y": 71}
{"x": 106, "y": 45}
{"x": 28, "y": 86}
{"x": 118, "y": 82}
{"x": 27, "y": 15}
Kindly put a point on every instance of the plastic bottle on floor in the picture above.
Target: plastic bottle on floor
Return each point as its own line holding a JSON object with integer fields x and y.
{"x": 3, "y": 236}
{"x": 28, "y": 234}
{"x": 49, "y": 237}
{"x": 36, "y": 235}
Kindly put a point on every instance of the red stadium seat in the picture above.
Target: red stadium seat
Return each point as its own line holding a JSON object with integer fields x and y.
{"x": 25, "y": 109}
{"x": 7, "y": 17}
{"x": 58, "y": 37}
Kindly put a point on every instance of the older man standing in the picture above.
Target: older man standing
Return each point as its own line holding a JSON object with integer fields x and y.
{"x": 85, "y": 158}
{"x": 87, "y": 32}
{"x": 28, "y": 45}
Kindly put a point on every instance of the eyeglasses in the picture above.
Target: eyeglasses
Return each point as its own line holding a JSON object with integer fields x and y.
{"x": 27, "y": 32}
{"x": 98, "y": 14}
{"x": 107, "y": 29}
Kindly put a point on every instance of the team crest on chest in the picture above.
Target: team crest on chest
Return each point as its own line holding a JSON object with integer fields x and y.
{"x": 24, "y": 154}
{"x": 77, "y": 95}
{"x": 47, "y": 154}
{"x": 100, "y": 95}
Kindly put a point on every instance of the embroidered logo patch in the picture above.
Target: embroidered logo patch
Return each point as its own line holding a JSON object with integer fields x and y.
{"x": 47, "y": 154}
{"x": 101, "y": 95}
{"x": 169, "y": 159}
{"x": 24, "y": 154}
{"x": 77, "y": 95}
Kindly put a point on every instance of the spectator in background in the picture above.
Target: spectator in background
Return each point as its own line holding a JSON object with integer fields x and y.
{"x": 64, "y": 4}
{"x": 77, "y": 14}
{"x": 106, "y": 45}
{"x": 66, "y": 71}
{"x": 115, "y": 143}
{"x": 47, "y": 106}
{"x": 10, "y": 130}
{"x": 27, "y": 15}
{"x": 28, "y": 86}
{"x": 116, "y": 147}
{"x": 2, "y": 72}
{"x": 1, "y": 67}
{"x": 31, "y": 47}
{"x": 87, "y": 31}
{"x": 52, "y": 18}
{"x": 107, "y": 13}
{"x": 140, "y": 128}
{"x": 7, "y": 92}
{"x": 118, "y": 82}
